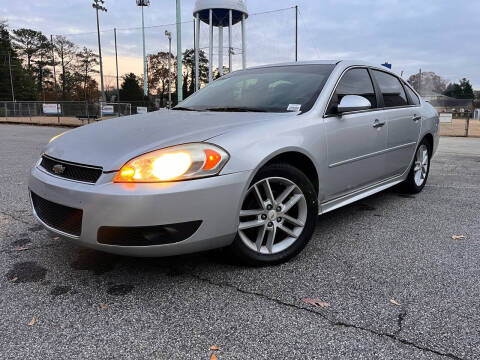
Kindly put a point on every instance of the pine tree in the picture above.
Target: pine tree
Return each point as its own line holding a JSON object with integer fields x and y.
{"x": 23, "y": 83}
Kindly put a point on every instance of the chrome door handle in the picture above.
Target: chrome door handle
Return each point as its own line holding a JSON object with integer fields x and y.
{"x": 416, "y": 118}
{"x": 378, "y": 124}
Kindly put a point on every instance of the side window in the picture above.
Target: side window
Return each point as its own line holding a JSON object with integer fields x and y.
{"x": 391, "y": 88}
{"x": 414, "y": 100}
{"x": 353, "y": 82}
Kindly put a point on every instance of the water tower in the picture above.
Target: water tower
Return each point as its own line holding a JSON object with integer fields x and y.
{"x": 219, "y": 14}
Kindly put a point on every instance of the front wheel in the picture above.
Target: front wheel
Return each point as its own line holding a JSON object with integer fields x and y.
{"x": 418, "y": 175}
{"x": 277, "y": 217}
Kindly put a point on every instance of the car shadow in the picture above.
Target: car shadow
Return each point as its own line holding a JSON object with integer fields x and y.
{"x": 100, "y": 263}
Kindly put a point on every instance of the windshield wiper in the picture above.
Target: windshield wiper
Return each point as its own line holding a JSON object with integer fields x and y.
{"x": 235, "y": 109}
{"x": 182, "y": 108}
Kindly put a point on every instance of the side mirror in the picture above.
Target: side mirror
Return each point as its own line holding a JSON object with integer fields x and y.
{"x": 353, "y": 103}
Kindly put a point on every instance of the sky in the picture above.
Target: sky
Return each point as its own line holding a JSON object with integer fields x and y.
{"x": 432, "y": 35}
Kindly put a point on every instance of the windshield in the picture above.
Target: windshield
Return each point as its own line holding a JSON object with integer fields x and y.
{"x": 271, "y": 89}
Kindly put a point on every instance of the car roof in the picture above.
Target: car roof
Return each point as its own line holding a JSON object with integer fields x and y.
{"x": 343, "y": 63}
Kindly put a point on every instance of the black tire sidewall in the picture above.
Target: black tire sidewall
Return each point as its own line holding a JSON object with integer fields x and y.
{"x": 410, "y": 184}
{"x": 239, "y": 250}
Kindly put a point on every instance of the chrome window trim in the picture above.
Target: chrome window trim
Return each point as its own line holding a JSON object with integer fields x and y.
{"x": 325, "y": 115}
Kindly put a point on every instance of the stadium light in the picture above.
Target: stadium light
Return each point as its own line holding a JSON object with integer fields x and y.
{"x": 97, "y": 5}
{"x": 142, "y": 4}
{"x": 168, "y": 34}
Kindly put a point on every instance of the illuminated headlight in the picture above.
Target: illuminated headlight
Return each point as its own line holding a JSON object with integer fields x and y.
{"x": 175, "y": 163}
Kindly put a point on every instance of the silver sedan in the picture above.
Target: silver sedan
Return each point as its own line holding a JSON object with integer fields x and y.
{"x": 247, "y": 163}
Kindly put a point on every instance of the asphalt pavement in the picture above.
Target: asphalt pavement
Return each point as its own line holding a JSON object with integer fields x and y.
{"x": 396, "y": 284}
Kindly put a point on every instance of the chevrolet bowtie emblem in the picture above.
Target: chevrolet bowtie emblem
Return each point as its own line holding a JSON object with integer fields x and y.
{"x": 58, "y": 169}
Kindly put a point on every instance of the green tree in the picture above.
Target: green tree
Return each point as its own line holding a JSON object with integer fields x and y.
{"x": 463, "y": 90}
{"x": 42, "y": 67}
{"x": 87, "y": 61}
{"x": 130, "y": 89}
{"x": 23, "y": 83}
{"x": 158, "y": 73}
{"x": 66, "y": 53}
{"x": 28, "y": 42}
{"x": 189, "y": 66}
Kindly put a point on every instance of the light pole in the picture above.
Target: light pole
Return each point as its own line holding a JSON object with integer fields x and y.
{"x": 142, "y": 4}
{"x": 96, "y": 5}
{"x": 168, "y": 34}
{"x": 179, "y": 53}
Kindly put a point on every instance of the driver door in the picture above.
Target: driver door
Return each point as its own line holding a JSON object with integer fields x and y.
{"x": 356, "y": 141}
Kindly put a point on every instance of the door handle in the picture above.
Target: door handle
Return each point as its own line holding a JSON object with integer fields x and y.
{"x": 416, "y": 118}
{"x": 378, "y": 124}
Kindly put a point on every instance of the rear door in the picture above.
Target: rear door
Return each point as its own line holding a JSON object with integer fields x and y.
{"x": 402, "y": 114}
{"x": 356, "y": 141}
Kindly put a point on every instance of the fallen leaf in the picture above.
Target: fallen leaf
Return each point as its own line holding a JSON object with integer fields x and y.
{"x": 103, "y": 307}
{"x": 13, "y": 279}
{"x": 214, "y": 348}
{"x": 395, "y": 302}
{"x": 458, "y": 237}
{"x": 213, "y": 357}
{"x": 316, "y": 302}
{"x": 32, "y": 322}
{"x": 21, "y": 249}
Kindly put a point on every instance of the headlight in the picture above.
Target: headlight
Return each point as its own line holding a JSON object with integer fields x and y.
{"x": 180, "y": 162}
{"x": 56, "y": 137}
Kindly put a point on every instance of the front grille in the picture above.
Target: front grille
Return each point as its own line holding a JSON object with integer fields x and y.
{"x": 72, "y": 171}
{"x": 59, "y": 217}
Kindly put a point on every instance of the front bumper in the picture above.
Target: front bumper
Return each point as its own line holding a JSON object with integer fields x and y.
{"x": 214, "y": 201}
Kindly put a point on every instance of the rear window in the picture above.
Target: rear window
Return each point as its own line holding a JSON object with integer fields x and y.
{"x": 391, "y": 89}
{"x": 414, "y": 100}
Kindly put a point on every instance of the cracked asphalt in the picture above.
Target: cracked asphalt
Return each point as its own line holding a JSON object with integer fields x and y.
{"x": 91, "y": 305}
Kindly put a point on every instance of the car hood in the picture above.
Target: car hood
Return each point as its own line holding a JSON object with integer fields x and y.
{"x": 111, "y": 143}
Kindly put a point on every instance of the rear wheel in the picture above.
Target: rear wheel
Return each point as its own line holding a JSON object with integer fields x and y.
{"x": 277, "y": 217}
{"x": 418, "y": 175}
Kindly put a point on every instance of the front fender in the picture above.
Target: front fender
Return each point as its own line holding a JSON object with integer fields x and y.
{"x": 250, "y": 149}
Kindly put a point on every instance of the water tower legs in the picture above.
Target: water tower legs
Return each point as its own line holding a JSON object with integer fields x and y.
{"x": 210, "y": 50}
{"x": 244, "y": 44}
{"x": 220, "y": 50}
{"x": 230, "y": 50}
{"x": 197, "y": 50}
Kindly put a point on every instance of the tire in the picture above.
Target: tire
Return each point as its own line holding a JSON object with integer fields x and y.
{"x": 273, "y": 232}
{"x": 417, "y": 177}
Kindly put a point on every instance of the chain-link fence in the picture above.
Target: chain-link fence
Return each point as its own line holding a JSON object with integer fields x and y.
{"x": 65, "y": 113}
{"x": 455, "y": 123}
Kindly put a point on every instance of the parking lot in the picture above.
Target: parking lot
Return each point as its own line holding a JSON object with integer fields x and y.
{"x": 396, "y": 283}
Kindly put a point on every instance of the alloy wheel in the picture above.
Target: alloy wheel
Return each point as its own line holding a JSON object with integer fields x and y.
{"x": 421, "y": 165}
{"x": 273, "y": 215}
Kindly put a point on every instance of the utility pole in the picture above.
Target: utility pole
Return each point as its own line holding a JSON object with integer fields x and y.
{"x": 142, "y": 4}
{"x": 55, "y": 78}
{"x": 296, "y": 33}
{"x": 420, "y": 82}
{"x": 116, "y": 65}
{"x": 179, "y": 53}
{"x": 96, "y": 5}
{"x": 168, "y": 34}
{"x": 11, "y": 78}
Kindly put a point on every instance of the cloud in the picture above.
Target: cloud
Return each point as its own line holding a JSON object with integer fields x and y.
{"x": 437, "y": 36}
